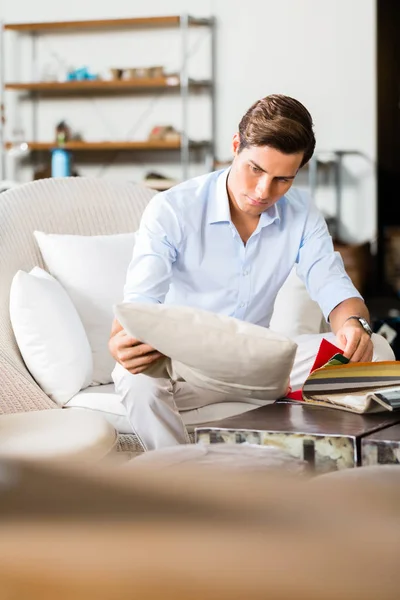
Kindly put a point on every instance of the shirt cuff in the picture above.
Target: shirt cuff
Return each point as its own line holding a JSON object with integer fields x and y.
{"x": 332, "y": 297}
{"x": 130, "y": 298}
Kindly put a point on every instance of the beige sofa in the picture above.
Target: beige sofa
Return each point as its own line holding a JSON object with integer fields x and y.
{"x": 74, "y": 206}
{"x": 84, "y": 206}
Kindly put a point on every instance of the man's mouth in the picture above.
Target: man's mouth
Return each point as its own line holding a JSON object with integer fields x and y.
{"x": 257, "y": 202}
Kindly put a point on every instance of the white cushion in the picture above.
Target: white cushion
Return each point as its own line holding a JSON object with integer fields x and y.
{"x": 103, "y": 399}
{"x": 294, "y": 311}
{"x": 92, "y": 269}
{"x": 212, "y": 351}
{"x": 56, "y": 434}
{"x": 50, "y": 335}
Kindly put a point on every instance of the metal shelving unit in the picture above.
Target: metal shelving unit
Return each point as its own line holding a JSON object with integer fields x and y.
{"x": 180, "y": 83}
{"x": 335, "y": 165}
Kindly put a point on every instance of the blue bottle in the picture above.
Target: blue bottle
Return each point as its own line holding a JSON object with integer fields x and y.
{"x": 60, "y": 163}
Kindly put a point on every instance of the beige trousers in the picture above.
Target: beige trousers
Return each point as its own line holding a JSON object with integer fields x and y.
{"x": 161, "y": 411}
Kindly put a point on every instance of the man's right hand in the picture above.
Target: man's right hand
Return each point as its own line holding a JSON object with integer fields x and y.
{"x": 132, "y": 354}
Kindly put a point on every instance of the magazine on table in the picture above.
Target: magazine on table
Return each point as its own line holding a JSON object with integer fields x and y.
{"x": 357, "y": 387}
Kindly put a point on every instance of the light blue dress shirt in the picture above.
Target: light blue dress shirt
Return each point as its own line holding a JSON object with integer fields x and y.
{"x": 188, "y": 252}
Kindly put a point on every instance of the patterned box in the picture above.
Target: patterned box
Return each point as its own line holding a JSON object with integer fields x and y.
{"x": 328, "y": 439}
{"x": 382, "y": 447}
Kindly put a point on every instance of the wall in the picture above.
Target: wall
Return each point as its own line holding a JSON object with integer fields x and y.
{"x": 319, "y": 51}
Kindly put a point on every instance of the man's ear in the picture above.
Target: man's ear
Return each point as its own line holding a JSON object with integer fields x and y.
{"x": 235, "y": 144}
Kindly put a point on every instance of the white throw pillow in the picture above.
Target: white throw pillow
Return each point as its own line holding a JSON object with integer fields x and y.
{"x": 212, "y": 351}
{"x": 295, "y": 313}
{"x": 50, "y": 335}
{"x": 92, "y": 269}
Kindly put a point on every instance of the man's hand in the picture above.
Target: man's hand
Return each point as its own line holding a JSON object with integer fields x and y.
{"x": 132, "y": 354}
{"x": 355, "y": 342}
{"x": 350, "y": 334}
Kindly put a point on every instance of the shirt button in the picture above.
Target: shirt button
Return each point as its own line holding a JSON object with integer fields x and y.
{"x": 245, "y": 273}
{"x": 242, "y": 305}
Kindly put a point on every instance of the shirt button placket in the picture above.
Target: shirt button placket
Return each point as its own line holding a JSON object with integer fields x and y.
{"x": 244, "y": 286}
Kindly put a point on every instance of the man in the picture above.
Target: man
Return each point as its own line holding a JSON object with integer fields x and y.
{"x": 226, "y": 242}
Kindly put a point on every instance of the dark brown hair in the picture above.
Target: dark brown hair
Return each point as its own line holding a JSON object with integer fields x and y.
{"x": 280, "y": 122}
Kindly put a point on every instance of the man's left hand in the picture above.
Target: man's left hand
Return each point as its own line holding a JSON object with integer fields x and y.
{"x": 355, "y": 342}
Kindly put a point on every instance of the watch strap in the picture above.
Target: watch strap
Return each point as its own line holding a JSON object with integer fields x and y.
{"x": 363, "y": 322}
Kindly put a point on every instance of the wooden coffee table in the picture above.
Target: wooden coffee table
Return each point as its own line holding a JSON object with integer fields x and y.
{"x": 328, "y": 439}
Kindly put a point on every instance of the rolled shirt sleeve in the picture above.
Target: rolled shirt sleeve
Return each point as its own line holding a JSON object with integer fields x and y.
{"x": 321, "y": 268}
{"x": 156, "y": 248}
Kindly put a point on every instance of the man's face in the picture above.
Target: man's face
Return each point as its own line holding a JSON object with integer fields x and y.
{"x": 259, "y": 176}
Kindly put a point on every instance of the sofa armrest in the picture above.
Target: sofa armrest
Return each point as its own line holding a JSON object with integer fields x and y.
{"x": 18, "y": 390}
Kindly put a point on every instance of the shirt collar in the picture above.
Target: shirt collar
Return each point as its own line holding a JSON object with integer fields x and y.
{"x": 219, "y": 211}
{"x": 271, "y": 215}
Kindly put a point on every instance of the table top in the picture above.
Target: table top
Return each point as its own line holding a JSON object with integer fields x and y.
{"x": 301, "y": 418}
{"x": 389, "y": 434}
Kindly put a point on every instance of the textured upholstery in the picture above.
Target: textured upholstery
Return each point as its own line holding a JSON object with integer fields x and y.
{"x": 80, "y": 206}
{"x": 61, "y": 435}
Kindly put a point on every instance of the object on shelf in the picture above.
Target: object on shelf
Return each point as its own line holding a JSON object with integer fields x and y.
{"x": 60, "y": 163}
{"x": 116, "y": 73}
{"x": 137, "y": 73}
{"x": 132, "y": 73}
{"x": 164, "y": 133}
{"x": 144, "y": 72}
{"x": 18, "y": 148}
{"x": 172, "y": 79}
{"x": 63, "y": 133}
{"x": 76, "y": 137}
{"x": 158, "y": 182}
{"x": 156, "y": 71}
{"x": 81, "y": 74}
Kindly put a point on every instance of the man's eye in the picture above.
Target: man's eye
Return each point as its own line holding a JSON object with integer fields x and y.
{"x": 255, "y": 169}
{"x": 282, "y": 180}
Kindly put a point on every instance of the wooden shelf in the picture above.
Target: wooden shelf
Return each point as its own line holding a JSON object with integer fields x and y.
{"x": 73, "y": 90}
{"x": 101, "y": 146}
{"x": 159, "y": 184}
{"x": 148, "y": 22}
{"x": 107, "y": 86}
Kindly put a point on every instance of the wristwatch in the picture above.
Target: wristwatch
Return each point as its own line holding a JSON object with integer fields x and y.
{"x": 363, "y": 322}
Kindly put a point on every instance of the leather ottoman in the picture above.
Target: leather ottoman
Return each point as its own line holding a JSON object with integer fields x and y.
{"x": 73, "y": 435}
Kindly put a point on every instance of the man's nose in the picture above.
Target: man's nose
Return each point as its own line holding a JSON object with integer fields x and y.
{"x": 263, "y": 187}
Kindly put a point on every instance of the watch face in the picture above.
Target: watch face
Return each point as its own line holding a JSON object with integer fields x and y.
{"x": 366, "y": 326}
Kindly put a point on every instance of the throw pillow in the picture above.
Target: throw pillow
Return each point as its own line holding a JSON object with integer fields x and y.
{"x": 50, "y": 335}
{"x": 92, "y": 270}
{"x": 295, "y": 313}
{"x": 212, "y": 351}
